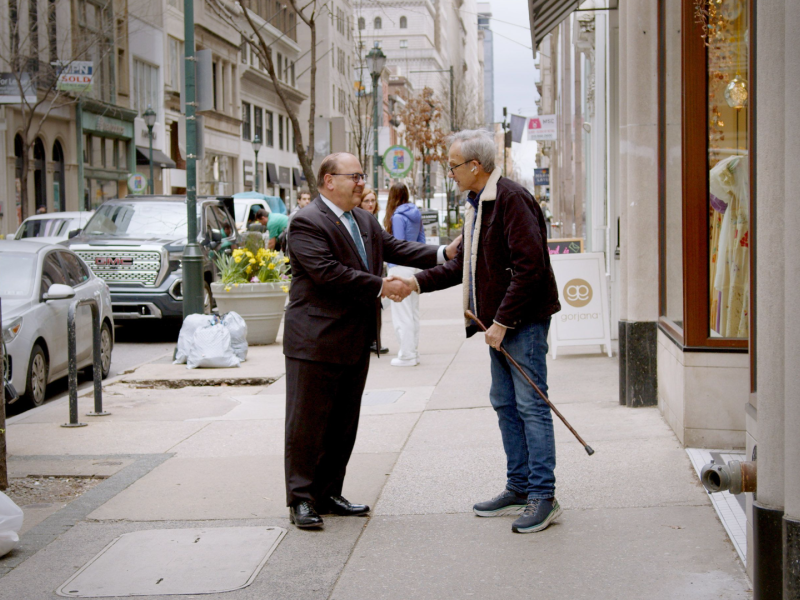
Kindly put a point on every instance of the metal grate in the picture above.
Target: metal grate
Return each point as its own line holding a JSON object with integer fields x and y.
{"x": 136, "y": 266}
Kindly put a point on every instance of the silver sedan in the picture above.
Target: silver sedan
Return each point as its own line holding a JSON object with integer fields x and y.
{"x": 38, "y": 283}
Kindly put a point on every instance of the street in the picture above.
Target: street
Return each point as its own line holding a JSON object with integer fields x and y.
{"x": 136, "y": 342}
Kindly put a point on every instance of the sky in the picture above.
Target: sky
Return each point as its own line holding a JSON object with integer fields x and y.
{"x": 514, "y": 73}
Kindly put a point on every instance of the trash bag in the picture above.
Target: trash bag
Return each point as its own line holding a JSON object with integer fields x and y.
{"x": 10, "y": 524}
{"x": 236, "y": 326}
{"x": 211, "y": 348}
{"x": 190, "y": 325}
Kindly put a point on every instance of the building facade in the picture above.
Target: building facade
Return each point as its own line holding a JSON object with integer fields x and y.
{"x": 486, "y": 39}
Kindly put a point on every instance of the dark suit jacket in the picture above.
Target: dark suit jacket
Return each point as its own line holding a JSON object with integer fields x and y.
{"x": 334, "y": 305}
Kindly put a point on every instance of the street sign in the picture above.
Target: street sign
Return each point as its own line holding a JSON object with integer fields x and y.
{"x": 137, "y": 183}
{"x": 542, "y": 127}
{"x": 541, "y": 177}
{"x": 10, "y": 88}
{"x": 76, "y": 76}
{"x": 397, "y": 161}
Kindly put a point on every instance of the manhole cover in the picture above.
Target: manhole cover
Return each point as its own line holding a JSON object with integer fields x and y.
{"x": 381, "y": 397}
{"x": 176, "y": 561}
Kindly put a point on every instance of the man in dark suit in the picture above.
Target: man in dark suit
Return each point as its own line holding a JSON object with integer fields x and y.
{"x": 332, "y": 317}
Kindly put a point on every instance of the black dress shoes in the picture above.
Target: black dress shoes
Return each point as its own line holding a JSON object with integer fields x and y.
{"x": 337, "y": 505}
{"x": 374, "y": 348}
{"x": 305, "y": 517}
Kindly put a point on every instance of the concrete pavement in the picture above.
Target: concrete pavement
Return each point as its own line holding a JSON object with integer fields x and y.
{"x": 636, "y": 522}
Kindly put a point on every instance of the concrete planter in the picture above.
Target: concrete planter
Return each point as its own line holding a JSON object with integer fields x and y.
{"x": 261, "y": 305}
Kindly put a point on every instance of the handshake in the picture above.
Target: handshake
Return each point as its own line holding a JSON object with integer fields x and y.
{"x": 397, "y": 288}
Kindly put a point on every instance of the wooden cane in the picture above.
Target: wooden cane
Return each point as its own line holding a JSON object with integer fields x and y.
{"x": 586, "y": 446}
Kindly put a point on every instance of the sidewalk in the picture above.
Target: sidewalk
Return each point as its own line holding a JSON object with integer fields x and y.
{"x": 636, "y": 522}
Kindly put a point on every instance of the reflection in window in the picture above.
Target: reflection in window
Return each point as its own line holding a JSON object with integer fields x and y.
{"x": 729, "y": 185}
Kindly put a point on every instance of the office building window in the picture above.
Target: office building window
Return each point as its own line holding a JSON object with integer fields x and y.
{"x": 280, "y": 132}
{"x": 403, "y": 23}
{"x": 258, "y": 123}
{"x": 378, "y": 23}
{"x": 270, "y": 141}
{"x": 175, "y": 58}
{"x": 361, "y": 24}
{"x": 245, "y": 121}
{"x": 145, "y": 79}
{"x": 404, "y": 43}
{"x": 279, "y": 66}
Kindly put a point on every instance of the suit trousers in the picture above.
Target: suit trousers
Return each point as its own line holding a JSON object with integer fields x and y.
{"x": 323, "y": 402}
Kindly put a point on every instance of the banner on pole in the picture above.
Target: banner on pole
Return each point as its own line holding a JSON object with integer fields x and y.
{"x": 517, "y": 128}
{"x": 542, "y": 127}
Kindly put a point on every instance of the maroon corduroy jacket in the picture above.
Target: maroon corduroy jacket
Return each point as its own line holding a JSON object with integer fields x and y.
{"x": 514, "y": 283}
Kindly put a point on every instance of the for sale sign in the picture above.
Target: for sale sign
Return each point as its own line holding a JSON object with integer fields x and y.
{"x": 76, "y": 77}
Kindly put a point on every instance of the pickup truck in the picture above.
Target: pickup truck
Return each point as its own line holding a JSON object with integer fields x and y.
{"x": 136, "y": 244}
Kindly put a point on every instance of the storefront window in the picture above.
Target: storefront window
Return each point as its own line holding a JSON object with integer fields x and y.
{"x": 728, "y": 161}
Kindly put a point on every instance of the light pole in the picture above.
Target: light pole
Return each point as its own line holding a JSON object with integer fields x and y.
{"x": 192, "y": 255}
{"x": 256, "y": 149}
{"x": 376, "y": 60}
{"x": 150, "y": 120}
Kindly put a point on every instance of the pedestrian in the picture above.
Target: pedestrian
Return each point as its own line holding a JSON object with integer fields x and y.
{"x": 369, "y": 201}
{"x": 509, "y": 284}
{"x": 404, "y": 221}
{"x": 332, "y": 316}
{"x": 302, "y": 202}
{"x": 274, "y": 224}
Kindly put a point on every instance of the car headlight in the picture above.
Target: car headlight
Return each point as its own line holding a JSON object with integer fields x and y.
{"x": 11, "y": 331}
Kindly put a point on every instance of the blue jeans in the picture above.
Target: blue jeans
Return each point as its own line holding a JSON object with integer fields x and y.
{"x": 526, "y": 423}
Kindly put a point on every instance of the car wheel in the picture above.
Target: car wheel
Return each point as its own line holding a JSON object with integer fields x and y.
{"x": 36, "y": 383}
{"x": 208, "y": 299}
{"x": 106, "y": 346}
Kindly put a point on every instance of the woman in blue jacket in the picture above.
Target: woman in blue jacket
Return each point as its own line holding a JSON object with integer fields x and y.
{"x": 404, "y": 221}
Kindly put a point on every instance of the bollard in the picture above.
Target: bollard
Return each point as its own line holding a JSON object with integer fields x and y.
{"x": 97, "y": 367}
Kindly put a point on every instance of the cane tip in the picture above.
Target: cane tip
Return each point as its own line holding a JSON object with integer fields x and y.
{"x": 589, "y": 450}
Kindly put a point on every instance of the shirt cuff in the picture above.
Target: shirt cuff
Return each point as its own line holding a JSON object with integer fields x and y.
{"x": 501, "y": 325}
{"x": 441, "y": 258}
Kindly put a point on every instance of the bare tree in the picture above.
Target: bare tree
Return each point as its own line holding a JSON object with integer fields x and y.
{"x": 360, "y": 108}
{"x": 467, "y": 104}
{"x": 238, "y": 15}
{"x": 38, "y": 81}
{"x": 425, "y": 130}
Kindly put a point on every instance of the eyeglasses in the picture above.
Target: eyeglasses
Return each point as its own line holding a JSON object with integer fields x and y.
{"x": 453, "y": 169}
{"x": 356, "y": 177}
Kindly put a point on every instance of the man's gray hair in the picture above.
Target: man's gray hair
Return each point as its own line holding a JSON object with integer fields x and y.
{"x": 476, "y": 144}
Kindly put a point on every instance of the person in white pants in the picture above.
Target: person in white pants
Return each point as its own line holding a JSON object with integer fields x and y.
{"x": 404, "y": 221}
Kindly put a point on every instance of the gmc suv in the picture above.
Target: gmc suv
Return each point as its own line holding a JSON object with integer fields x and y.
{"x": 136, "y": 245}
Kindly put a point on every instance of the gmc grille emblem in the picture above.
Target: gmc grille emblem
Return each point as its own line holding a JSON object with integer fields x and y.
{"x": 110, "y": 261}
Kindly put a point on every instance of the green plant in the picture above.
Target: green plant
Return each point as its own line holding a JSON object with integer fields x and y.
{"x": 253, "y": 264}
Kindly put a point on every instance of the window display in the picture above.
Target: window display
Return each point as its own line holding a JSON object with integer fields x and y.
{"x": 726, "y": 34}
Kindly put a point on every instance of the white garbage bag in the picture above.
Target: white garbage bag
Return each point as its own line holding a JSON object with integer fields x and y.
{"x": 10, "y": 524}
{"x": 211, "y": 349}
{"x": 190, "y": 325}
{"x": 236, "y": 326}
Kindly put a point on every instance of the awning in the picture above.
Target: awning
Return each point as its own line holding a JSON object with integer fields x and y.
{"x": 298, "y": 177}
{"x": 272, "y": 174}
{"x": 159, "y": 158}
{"x": 545, "y": 15}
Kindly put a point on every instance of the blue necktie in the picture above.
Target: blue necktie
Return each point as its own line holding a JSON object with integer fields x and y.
{"x": 351, "y": 223}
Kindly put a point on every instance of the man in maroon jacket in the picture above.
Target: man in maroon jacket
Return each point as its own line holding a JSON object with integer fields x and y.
{"x": 508, "y": 283}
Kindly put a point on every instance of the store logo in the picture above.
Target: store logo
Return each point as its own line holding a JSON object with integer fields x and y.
{"x": 577, "y": 293}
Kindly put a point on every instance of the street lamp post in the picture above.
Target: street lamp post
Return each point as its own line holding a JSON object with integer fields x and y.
{"x": 257, "y": 149}
{"x": 150, "y": 120}
{"x": 376, "y": 60}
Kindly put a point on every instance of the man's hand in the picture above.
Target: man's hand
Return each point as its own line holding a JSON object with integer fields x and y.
{"x": 271, "y": 244}
{"x": 395, "y": 289}
{"x": 452, "y": 248}
{"x": 495, "y": 335}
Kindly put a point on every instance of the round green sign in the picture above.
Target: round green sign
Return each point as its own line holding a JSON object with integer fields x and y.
{"x": 397, "y": 161}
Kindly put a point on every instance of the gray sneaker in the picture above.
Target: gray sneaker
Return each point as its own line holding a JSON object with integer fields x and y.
{"x": 507, "y": 503}
{"x": 538, "y": 515}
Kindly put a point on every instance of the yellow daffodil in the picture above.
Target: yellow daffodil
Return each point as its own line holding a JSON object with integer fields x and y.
{"x": 252, "y": 261}
{"x": 285, "y": 289}
{"x": 237, "y": 259}
{"x": 227, "y": 288}
{"x": 286, "y": 260}
{"x": 271, "y": 266}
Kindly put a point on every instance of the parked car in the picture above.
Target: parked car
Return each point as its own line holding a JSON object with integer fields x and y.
{"x": 245, "y": 210}
{"x": 136, "y": 245}
{"x": 38, "y": 283}
{"x": 51, "y": 228}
